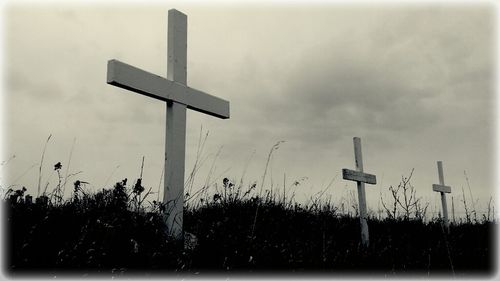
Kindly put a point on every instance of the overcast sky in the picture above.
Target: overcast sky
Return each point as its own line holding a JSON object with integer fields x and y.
{"x": 415, "y": 82}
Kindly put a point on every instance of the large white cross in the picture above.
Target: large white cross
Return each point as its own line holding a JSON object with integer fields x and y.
{"x": 360, "y": 178}
{"x": 443, "y": 189}
{"x": 178, "y": 97}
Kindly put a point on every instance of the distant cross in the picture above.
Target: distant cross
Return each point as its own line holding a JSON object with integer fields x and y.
{"x": 177, "y": 96}
{"x": 360, "y": 178}
{"x": 442, "y": 189}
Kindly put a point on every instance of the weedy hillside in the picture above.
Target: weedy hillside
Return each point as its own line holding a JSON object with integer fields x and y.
{"x": 114, "y": 232}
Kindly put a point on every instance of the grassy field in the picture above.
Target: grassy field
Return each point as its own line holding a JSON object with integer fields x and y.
{"x": 112, "y": 232}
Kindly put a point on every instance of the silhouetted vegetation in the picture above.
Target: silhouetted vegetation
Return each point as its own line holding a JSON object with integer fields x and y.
{"x": 113, "y": 232}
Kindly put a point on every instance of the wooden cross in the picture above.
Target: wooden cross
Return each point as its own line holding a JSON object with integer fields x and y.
{"x": 178, "y": 97}
{"x": 360, "y": 178}
{"x": 442, "y": 189}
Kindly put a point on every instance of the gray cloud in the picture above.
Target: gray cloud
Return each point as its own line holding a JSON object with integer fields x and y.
{"x": 415, "y": 82}
{"x": 383, "y": 82}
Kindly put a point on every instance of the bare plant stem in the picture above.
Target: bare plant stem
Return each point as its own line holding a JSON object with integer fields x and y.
{"x": 23, "y": 174}
{"x": 489, "y": 208}
{"x": 493, "y": 211}
{"x": 284, "y": 188}
{"x": 322, "y": 192}
{"x": 470, "y": 193}
{"x": 246, "y": 167}
{"x": 453, "y": 209}
{"x": 71, "y": 175}
{"x": 41, "y": 164}
{"x": 465, "y": 206}
{"x": 145, "y": 195}
{"x": 212, "y": 168}
{"x": 47, "y": 184}
{"x": 57, "y": 192}
{"x": 5, "y": 162}
{"x": 142, "y": 167}
{"x": 159, "y": 184}
{"x": 109, "y": 177}
{"x": 198, "y": 162}
{"x": 274, "y": 147}
{"x": 63, "y": 188}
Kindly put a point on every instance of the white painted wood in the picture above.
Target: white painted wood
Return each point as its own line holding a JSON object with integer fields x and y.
{"x": 358, "y": 176}
{"x": 360, "y": 179}
{"x": 440, "y": 172}
{"x": 365, "y": 238}
{"x": 175, "y": 153}
{"x": 178, "y": 97}
{"x": 358, "y": 156}
{"x": 175, "y": 139}
{"x": 137, "y": 80}
{"x": 177, "y": 47}
{"x": 443, "y": 189}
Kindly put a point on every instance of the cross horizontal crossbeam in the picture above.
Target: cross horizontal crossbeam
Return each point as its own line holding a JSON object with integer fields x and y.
{"x": 441, "y": 188}
{"x": 137, "y": 80}
{"x": 358, "y": 176}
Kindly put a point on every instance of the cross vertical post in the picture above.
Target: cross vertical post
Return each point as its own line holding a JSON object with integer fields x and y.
{"x": 361, "y": 192}
{"x": 443, "y": 189}
{"x": 360, "y": 178}
{"x": 178, "y": 97}
{"x": 175, "y": 133}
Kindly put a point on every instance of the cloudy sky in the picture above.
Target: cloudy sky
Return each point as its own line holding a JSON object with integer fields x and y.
{"x": 415, "y": 82}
